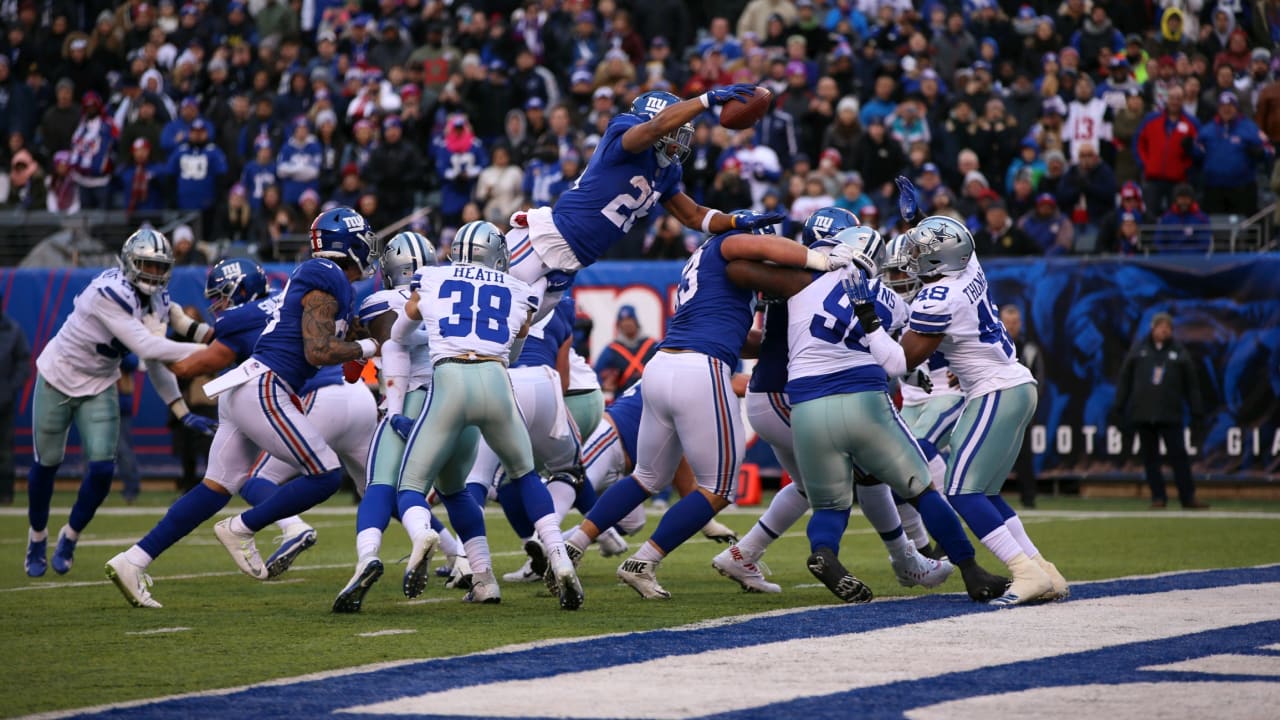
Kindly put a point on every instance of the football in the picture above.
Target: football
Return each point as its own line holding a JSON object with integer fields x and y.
{"x": 739, "y": 115}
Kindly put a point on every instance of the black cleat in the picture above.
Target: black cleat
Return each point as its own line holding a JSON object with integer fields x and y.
{"x": 352, "y": 596}
{"x": 826, "y": 567}
{"x": 981, "y": 585}
{"x": 933, "y": 552}
{"x": 537, "y": 555}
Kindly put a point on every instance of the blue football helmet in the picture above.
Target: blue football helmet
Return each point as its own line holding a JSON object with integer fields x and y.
{"x": 343, "y": 233}
{"x": 234, "y": 281}
{"x": 675, "y": 146}
{"x": 406, "y": 252}
{"x": 822, "y": 227}
{"x": 480, "y": 243}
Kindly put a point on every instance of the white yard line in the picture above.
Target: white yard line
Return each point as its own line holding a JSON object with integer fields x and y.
{"x": 159, "y": 631}
{"x": 384, "y": 633}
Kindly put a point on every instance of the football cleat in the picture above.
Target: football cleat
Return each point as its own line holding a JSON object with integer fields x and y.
{"x": 537, "y": 555}
{"x": 642, "y": 576}
{"x": 717, "y": 531}
{"x": 825, "y": 566}
{"x": 550, "y": 578}
{"x": 351, "y": 598}
{"x": 35, "y": 563}
{"x": 1030, "y": 583}
{"x": 484, "y": 589}
{"x": 242, "y": 548}
{"x": 933, "y": 552}
{"x": 611, "y": 543}
{"x": 916, "y": 569}
{"x": 64, "y": 554}
{"x": 415, "y": 573}
{"x": 732, "y": 564}
{"x": 981, "y": 585}
{"x": 292, "y": 544}
{"x": 132, "y": 582}
{"x": 1061, "y": 591}
{"x": 524, "y": 575}
{"x": 459, "y": 573}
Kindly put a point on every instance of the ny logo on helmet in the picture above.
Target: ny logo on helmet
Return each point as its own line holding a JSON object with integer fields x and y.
{"x": 654, "y": 104}
{"x": 353, "y": 222}
{"x": 231, "y": 273}
{"x": 822, "y": 223}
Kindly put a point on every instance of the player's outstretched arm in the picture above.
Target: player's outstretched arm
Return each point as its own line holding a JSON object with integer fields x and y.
{"x": 320, "y": 343}
{"x": 771, "y": 280}
{"x": 708, "y": 220}
{"x": 134, "y": 335}
{"x": 205, "y": 361}
{"x": 641, "y": 137}
{"x": 771, "y": 248}
{"x": 186, "y": 328}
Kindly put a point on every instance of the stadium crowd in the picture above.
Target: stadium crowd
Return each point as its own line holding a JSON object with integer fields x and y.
{"x": 1047, "y": 127}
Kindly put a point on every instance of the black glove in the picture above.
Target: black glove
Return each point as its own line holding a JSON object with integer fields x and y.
{"x": 867, "y": 317}
{"x": 921, "y": 379}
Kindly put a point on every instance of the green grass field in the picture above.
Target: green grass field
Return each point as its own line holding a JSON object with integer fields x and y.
{"x": 73, "y": 641}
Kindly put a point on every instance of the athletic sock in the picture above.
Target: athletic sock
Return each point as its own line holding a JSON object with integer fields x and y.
{"x": 465, "y": 516}
{"x": 899, "y": 546}
{"x": 587, "y": 497}
{"x": 95, "y": 488}
{"x": 478, "y": 554}
{"x": 876, "y": 503}
{"x": 913, "y": 525}
{"x": 825, "y": 529}
{"x": 301, "y": 494}
{"x": 937, "y": 472}
{"x": 941, "y": 521}
{"x": 535, "y": 498}
{"x": 562, "y": 496}
{"x": 39, "y": 495}
{"x": 650, "y": 552}
{"x": 513, "y": 508}
{"x": 680, "y": 522}
{"x": 417, "y": 521}
{"x": 1002, "y": 544}
{"x": 191, "y": 510}
{"x": 577, "y": 538}
{"x": 368, "y": 543}
{"x": 548, "y": 529}
{"x": 256, "y": 490}
{"x": 479, "y": 493}
{"x": 137, "y": 556}
{"x": 376, "y": 508}
{"x": 449, "y": 544}
{"x": 621, "y": 498}
{"x": 1014, "y": 524}
{"x": 69, "y": 533}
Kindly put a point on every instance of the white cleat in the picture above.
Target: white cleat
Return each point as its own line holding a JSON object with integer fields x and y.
{"x": 132, "y": 581}
{"x": 459, "y": 573}
{"x": 292, "y": 543}
{"x": 242, "y": 549}
{"x": 524, "y": 575}
{"x": 415, "y": 573}
{"x": 351, "y": 599}
{"x": 916, "y": 569}
{"x": 611, "y": 543}
{"x": 732, "y": 564}
{"x": 484, "y": 589}
{"x": 1061, "y": 591}
{"x": 717, "y": 531}
{"x": 1030, "y": 583}
{"x": 641, "y": 575}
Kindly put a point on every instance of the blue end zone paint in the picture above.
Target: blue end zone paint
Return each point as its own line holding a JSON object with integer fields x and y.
{"x": 1112, "y": 665}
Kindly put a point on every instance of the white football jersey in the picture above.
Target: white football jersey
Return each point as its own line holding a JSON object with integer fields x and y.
{"x": 937, "y": 367}
{"x": 471, "y": 309}
{"x": 823, "y": 335}
{"x": 975, "y": 344}
{"x": 1086, "y": 123}
{"x": 419, "y": 354}
{"x": 108, "y": 321}
{"x": 581, "y": 376}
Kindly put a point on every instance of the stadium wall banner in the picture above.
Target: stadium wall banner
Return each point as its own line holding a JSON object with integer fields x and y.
{"x": 1084, "y": 313}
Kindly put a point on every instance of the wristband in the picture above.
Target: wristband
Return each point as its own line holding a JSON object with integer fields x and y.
{"x": 705, "y": 100}
{"x": 179, "y": 408}
{"x": 815, "y": 260}
{"x": 706, "y": 220}
{"x": 368, "y": 347}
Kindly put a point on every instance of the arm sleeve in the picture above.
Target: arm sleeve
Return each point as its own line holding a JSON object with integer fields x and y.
{"x": 142, "y": 343}
{"x": 887, "y": 353}
{"x": 395, "y": 375}
{"x": 403, "y": 327}
{"x": 165, "y": 383}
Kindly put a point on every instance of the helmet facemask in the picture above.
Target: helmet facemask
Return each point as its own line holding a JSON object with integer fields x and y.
{"x": 675, "y": 146}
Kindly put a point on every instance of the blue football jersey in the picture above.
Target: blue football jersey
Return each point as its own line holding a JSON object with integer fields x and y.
{"x": 713, "y": 316}
{"x": 770, "y": 372}
{"x": 625, "y": 411}
{"x": 542, "y": 347}
{"x": 324, "y": 377}
{"x": 239, "y": 327}
{"x": 280, "y": 347}
{"x": 616, "y": 188}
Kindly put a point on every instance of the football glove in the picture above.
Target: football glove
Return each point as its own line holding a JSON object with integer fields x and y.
{"x": 401, "y": 424}
{"x": 860, "y": 295}
{"x": 352, "y": 370}
{"x": 751, "y": 220}
{"x": 907, "y": 204}
{"x": 199, "y": 423}
{"x": 741, "y": 92}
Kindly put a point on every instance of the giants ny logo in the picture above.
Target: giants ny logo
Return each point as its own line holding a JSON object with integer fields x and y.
{"x": 822, "y": 225}
{"x": 353, "y": 222}
{"x": 654, "y": 105}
